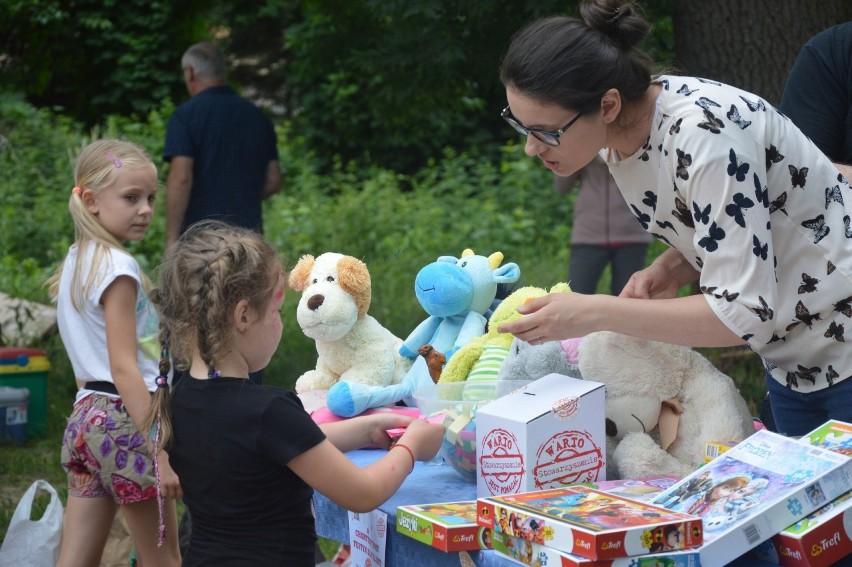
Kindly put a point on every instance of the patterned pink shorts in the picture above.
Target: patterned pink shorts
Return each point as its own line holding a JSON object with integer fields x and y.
{"x": 104, "y": 454}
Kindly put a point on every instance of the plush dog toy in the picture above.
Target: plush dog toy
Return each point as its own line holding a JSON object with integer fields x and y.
{"x": 351, "y": 345}
{"x": 663, "y": 403}
{"x": 482, "y": 357}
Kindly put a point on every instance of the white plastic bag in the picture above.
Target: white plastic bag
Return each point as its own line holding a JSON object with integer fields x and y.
{"x": 29, "y": 542}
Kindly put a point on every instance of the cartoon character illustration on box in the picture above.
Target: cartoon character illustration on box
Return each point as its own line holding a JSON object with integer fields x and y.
{"x": 532, "y": 530}
{"x": 516, "y": 524}
{"x": 666, "y": 538}
{"x": 503, "y": 522}
{"x": 815, "y": 494}
{"x": 527, "y": 553}
{"x": 718, "y": 495}
{"x": 746, "y": 496}
{"x": 485, "y": 538}
{"x": 620, "y": 516}
{"x": 697, "y": 485}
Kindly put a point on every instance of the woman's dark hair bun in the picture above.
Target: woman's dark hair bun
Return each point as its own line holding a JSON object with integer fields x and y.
{"x": 620, "y": 21}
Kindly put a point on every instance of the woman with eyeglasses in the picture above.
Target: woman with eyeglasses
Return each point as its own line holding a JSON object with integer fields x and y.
{"x": 750, "y": 209}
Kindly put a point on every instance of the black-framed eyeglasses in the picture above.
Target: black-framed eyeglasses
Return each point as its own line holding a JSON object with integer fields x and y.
{"x": 549, "y": 137}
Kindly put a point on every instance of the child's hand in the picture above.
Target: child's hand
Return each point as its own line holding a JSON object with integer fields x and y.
{"x": 381, "y": 422}
{"x": 169, "y": 482}
{"x": 423, "y": 438}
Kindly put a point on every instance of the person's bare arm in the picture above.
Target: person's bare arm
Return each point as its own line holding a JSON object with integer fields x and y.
{"x": 686, "y": 321}
{"x": 845, "y": 170}
{"x": 178, "y": 189}
{"x": 272, "y": 184}
{"x": 358, "y": 489}
{"x": 119, "y": 301}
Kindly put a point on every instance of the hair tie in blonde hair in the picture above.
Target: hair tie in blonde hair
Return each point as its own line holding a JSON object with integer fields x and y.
{"x": 115, "y": 161}
{"x": 77, "y": 191}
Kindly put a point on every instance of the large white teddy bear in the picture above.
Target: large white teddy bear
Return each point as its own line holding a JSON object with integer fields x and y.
{"x": 663, "y": 403}
{"x": 351, "y": 345}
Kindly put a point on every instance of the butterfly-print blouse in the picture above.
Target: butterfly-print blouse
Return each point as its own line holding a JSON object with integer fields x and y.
{"x": 751, "y": 203}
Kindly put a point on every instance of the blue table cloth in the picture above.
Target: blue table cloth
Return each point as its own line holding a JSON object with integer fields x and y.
{"x": 427, "y": 483}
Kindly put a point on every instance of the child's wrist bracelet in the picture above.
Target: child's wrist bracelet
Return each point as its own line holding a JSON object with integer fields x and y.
{"x": 410, "y": 453}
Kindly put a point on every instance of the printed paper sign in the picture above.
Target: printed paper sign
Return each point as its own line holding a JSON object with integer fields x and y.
{"x": 367, "y": 536}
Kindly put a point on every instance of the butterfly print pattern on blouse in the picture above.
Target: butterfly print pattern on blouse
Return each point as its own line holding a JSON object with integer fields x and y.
{"x": 836, "y": 331}
{"x": 738, "y": 207}
{"x": 772, "y": 156}
{"x": 685, "y": 90}
{"x": 764, "y": 311}
{"x": 808, "y": 284}
{"x": 715, "y": 234}
{"x": 682, "y": 213}
{"x": 701, "y": 215}
{"x": 754, "y": 106}
{"x": 819, "y": 227}
{"x": 832, "y": 195}
{"x": 798, "y": 176}
{"x": 684, "y": 160}
{"x": 711, "y": 123}
{"x": 803, "y": 315}
{"x": 643, "y": 218}
{"x": 736, "y": 168}
{"x": 734, "y": 116}
{"x": 760, "y": 249}
{"x": 706, "y": 104}
{"x": 844, "y": 306}
{"x": 761, "y": 192}
{"x": 778, "y": 204}
{"x": 803, "y": 373}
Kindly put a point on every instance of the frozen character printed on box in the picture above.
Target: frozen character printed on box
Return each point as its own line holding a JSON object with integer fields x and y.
{"x": 697, "y": 485}
{"x": 747, "y": 496}
{"x": 717, "y": 495}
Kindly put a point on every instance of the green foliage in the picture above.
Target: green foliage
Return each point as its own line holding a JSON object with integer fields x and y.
{"x": 97, "y": 57}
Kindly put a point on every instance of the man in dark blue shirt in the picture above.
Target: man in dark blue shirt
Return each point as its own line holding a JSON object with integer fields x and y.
{"x": 222, "y": 150}
{"x": 818, "y": 94}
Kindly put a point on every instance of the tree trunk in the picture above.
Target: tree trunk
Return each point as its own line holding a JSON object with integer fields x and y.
{"x": 752, "y": 44}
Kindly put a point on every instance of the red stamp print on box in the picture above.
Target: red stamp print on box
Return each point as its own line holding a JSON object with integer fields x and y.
{"x": 566, "y": 408}
{"x": 567, "y": 457}
{"x": 501, "y": 463}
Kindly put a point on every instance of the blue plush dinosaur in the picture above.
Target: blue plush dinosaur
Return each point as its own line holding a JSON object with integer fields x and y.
{"x": 458, "y": 294}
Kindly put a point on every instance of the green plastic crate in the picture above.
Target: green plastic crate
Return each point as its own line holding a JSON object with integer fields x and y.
{"x": 27, "y": 368}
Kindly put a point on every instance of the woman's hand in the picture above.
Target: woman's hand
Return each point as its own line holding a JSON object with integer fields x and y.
{"x": 557, "y": 316}
{"x": 654, "y": 282}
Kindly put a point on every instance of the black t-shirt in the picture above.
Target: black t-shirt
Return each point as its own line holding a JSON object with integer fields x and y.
{"x": 232, "y": 441}
{"x": 818, "y": 93}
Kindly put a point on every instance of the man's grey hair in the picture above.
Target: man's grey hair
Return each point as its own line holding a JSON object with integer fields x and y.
{"x": 207, "y": 61}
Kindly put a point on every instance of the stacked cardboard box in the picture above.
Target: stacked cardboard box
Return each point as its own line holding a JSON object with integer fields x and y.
{"x": 589, "y": 523}
{"x": 756, "y": 489}
{"x": 448, "y": 526}
{"x": 825, "y": 536}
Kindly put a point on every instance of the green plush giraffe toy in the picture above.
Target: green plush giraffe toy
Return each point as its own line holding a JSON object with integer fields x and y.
{"x": 481, "y": 357}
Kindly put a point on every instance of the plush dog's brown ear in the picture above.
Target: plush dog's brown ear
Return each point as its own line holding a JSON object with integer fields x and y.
{"x": 354, "y": 279}
{"x": 301, "y": 272}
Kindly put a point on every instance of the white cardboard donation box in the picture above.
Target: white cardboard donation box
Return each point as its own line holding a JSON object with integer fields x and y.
{"x": 547, "y": 435}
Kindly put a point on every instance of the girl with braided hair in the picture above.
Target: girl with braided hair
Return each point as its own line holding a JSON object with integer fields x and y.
{"x": 752, "y": 212}
{"x": 249, "y": 456}
{"x": 109, "y": 329}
